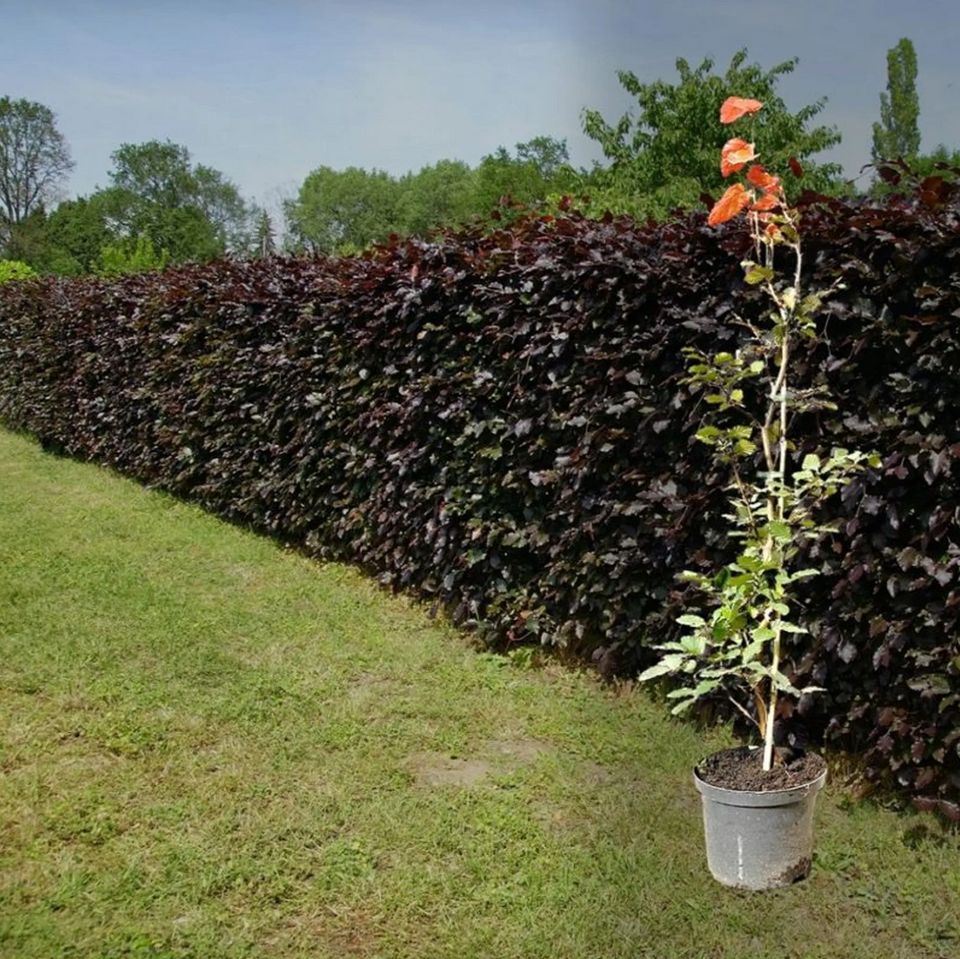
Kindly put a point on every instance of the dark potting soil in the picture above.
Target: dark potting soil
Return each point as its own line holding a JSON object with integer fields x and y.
{"x": 742, "y": 769}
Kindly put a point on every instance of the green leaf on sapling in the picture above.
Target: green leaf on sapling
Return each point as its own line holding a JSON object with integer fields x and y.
{"x": 752, "y": 650}
{"x": 693, "y": 644}
{"x": 667, "y": 665}
{"x": 704, "y": 687}
{"x": 756, "y": 274}
{"x": 811, "y": 302}
{"x": 778, "y": 531}
{"x": 782, "y": 683}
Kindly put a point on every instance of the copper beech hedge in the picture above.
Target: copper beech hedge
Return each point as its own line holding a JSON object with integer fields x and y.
{"x": 496, "y": 423}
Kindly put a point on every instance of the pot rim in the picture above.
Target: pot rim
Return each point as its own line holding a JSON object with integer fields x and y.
{"x": 755, "y": 797}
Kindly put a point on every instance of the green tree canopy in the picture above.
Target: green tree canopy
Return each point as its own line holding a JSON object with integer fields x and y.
{"x": 130, "y": 256}
{"x": 437, "y": 195}
{"x": 538, "y": 168}
{"x": 548, "y": 155}
{"x": 897, "y": 135}
{"x": 74, "y": 235}
{"x": 338, "y": 211}
{"x": 926, "y": 164}
{"x": 665, "y": 155}
{"x": 27, "y": 239}
{"x": 190, "y": 211}
{"x": 344, "y": 210}
{"x": 34, "y": 158}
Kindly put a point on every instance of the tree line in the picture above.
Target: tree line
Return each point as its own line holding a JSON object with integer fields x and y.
{"x": 161, "y": 207}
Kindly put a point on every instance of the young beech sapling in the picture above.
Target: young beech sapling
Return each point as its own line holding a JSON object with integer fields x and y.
{"x": 736, "y": 649}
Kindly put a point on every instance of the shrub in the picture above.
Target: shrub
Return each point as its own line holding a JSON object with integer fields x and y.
{"x": 119, "y": 259}
{"x": 498, "y": 423}
{"x": 15, "y": 270}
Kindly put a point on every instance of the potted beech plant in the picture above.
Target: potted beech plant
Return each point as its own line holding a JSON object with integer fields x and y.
{"x": 757, "y": 801}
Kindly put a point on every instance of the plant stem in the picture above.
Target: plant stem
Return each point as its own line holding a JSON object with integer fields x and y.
{"x": 745, "y": 499}
{"x": 737, "y": 705}
{"x": 784, "y": 359}
{"x": 781, "y": 512}
{"x": 772, "y": 705}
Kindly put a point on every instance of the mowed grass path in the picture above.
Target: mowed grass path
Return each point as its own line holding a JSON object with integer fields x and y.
{"x": 213, "y": 747}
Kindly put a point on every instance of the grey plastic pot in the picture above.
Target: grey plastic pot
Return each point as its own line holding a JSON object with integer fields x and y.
{"x": 759, "y": 840}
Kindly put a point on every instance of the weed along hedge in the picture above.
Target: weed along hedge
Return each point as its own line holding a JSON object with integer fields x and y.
{"x": 498, "y": 423}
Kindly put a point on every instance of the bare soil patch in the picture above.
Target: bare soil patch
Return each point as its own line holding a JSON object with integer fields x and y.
{"x": 436, "y": 769}
{"x": 497, "y": 756}
{"x": 520, "y": 750}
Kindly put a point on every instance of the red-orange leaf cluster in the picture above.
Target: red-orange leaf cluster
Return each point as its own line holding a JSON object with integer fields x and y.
{"x": 733, "y": 201}
{"x": 735, "y": 155}
{"x": 735, "y": 107}
{"x": 759, "y": 177}
{"x": 767, "y": 202}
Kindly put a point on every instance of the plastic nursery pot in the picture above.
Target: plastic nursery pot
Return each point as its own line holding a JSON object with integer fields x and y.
{"x": 759, "y": 840}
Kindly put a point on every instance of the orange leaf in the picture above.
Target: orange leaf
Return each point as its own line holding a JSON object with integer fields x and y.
{"x": 759, "y": 177}
{"x": 735, "y": 155}
{"x": 735, "y": 107}
{"x": 730, "y": 204}
{"x": 767, "y": 202}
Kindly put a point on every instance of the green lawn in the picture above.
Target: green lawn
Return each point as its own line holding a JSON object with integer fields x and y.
{"x": 212, "y": 747}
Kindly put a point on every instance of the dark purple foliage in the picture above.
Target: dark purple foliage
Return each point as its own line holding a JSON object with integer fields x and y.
{"x": 497, "y": 423}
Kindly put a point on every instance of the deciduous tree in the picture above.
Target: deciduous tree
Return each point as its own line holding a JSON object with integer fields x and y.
{"x": 193, "y": 212}
{"x": 897, "y": 135}
{"x": 34, "y": 158}
{"x": 437, "y": 195}
{"x": 538, "y": 168}
{"x": 74, "y": 235}
{"x": 657, "y": 156}
{"x": 344, "y": 210}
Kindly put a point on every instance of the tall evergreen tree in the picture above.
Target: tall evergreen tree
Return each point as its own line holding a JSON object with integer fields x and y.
{"x": 264, "y": 240}
{"x": 897, "y": 134}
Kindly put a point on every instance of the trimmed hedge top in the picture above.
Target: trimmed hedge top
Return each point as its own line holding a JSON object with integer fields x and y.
{"x": 497, "y": 423}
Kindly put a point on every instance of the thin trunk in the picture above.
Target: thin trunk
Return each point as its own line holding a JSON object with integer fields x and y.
{"x": 772, "y": 705}
{"x": 780, "y": 514}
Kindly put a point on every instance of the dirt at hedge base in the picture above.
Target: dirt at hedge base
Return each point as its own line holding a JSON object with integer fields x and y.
{"x": 742, "y": 769}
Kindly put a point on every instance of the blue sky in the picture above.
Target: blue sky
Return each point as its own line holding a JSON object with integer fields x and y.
{"x": 267, "y": 90}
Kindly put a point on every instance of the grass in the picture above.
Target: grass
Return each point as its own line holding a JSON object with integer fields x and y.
{"x": 213, "y": 747}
